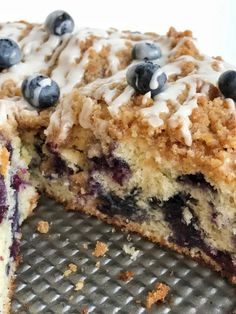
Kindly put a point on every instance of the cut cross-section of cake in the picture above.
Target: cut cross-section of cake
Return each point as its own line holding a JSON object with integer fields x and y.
{"x": 37, "y": 66}
{"x": 136, "y": 129}
{"x": 17, "y": 199}
{"x": 152, "y": 148}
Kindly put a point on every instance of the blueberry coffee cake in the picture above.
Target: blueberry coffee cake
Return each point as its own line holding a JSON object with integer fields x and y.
{"x": 136, "y": 129}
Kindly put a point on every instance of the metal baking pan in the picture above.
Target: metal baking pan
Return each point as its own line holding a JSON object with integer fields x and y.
{"x": 41, "y": 286}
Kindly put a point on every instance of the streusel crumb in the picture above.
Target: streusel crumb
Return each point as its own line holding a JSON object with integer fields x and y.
{"x": 98, "y": 264}
{"x": 72, "y": 268}
{"x": 84, "y": 310}
{"x": 126, "y": 275}
{"x": 100, "y": 249}
{"x": 158, "y": 294}
{"x": 79, "y": 285}
{"x": 43, "y": 226}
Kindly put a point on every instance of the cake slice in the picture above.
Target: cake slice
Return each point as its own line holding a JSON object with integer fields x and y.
{"x": 23, "y": 49}
{"x": 17, "y": 199}
{"x": 152, "y": 149}
{"x": 37, "y": 66}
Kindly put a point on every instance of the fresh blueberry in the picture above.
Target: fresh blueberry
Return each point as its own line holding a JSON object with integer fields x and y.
{"x": 10, "y": 53}
{"x": 59, "y": 23}
{"x": 40, "y": 91}
{"x": 227, "y": 84}
{"x": 146, "y": 51}
{"x": 146, "y": 77}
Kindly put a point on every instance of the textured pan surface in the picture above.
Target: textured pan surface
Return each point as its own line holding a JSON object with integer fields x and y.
{"x": 42, "y": 288}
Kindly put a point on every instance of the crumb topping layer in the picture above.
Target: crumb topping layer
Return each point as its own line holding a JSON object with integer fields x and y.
{"x": 189, "y": 118}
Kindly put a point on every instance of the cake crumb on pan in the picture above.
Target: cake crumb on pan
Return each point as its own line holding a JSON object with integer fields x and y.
{"x": 126, "y": 275}
{"x": 72, "y": 268}
{"x": 84, "y": 310}
{"x": 130, "y": 250}
{"x": 79, "y": 285}
{"x": 100, "y": 249}
{"x": 43, "y": 226}
{"x": 85, "y": 246}
{"x": 98, "y": 264}
{"x": 158, "y": 294}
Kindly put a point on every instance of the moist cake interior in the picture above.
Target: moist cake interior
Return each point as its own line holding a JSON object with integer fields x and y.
{"x": 143, "y": 137}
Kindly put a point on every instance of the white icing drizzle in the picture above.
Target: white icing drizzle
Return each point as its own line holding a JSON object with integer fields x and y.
{"x": 102, "y": 88}
{"x": 145, "y": 98}
{"x": 36, "y": 46}
{"x": 115, "y": 45}
{"x": 84, "y": 118}
{"x": 12, "y": 30}
{"x": 159, "y": 106}
{"x": 42, "y": 51}
{"x": 182, "y": 116}
{"x": 123, "y": 98}
{"x": 154, "y": 82}
{"x": 203, "y": 73}
{"x": 69, "y": 72}
{"x": 45, "y": 82}
{"x": 6, "y": 108}
{"x": 63, "y": 117}
{"x": 231, "y": 106}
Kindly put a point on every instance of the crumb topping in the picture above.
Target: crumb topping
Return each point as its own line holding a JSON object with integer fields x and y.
{"x": 72, "y": 268}
{"x": 79, "y": 285}
{"x": 84, "y": 310}
{"x": 188, "y": 118}
{"x": 131, "y": 250}
{"x": 126, "y": 275}
{"x": 4, "y": 159}
{"x": 158, "y": 294}
{"x": 189, "y": 121}
{"x": 43, "y": 226}
{"x": 100, "y": 249}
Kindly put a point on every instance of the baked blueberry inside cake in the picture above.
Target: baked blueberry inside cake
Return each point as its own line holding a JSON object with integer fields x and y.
{"x": 17, "y": 199}
{"x": 136, "y": 129}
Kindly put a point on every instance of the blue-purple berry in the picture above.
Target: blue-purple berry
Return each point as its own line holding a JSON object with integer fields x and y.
{"x": 146, "y": 51}
{"x": 227, "y": 84}
{"x": 10, "y": 53}
{"x": 59, "y": 23}
{"x": 146, "y": 77}
{"x": 40, "y": 91}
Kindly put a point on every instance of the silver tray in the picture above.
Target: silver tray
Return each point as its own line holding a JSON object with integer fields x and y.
{"x": 41, "y": 286}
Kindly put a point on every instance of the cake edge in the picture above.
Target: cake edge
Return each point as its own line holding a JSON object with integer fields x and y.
{"x": 12, "y": 286}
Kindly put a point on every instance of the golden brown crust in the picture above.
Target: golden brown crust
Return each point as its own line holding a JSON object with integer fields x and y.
{"x": 7, "y": 305}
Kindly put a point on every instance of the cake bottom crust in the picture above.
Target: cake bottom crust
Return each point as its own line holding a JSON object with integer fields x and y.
{"x": 7, "y": 305}
{"x": 130, "y": 226}
{"x": 199, "y": 256}
{"x": 12, "y": 285}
